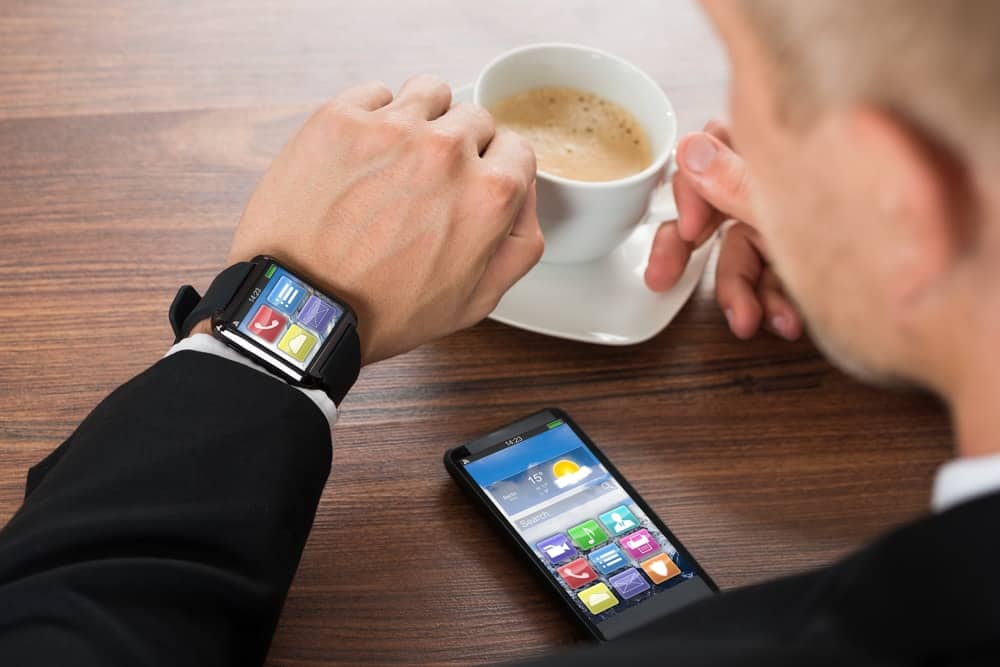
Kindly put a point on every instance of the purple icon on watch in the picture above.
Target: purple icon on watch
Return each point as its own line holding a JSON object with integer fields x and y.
{"x": 317, "y": 313}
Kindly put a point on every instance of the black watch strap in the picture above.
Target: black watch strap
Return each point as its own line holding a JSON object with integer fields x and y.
{"x": 341, "y": 369}
{"x": 189, "y": 307}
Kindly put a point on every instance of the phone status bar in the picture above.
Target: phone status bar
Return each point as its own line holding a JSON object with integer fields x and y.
{"x": 515, "y": 440}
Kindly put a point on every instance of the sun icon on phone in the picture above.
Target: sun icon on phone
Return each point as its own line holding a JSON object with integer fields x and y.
{"x": 564, "y": 467}
{"x": 568, "y": 472}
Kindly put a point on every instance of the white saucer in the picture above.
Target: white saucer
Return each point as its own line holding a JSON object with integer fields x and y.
{"x": 604, "y": 301}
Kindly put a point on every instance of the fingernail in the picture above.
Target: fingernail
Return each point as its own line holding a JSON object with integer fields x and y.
{"x": 699, "y": 151}
{"x": 779, "y": 323}
{"x": 729, "y": 316}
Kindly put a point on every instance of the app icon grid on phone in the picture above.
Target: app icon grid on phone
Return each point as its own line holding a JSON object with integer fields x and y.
{"x": 610, "y": 560}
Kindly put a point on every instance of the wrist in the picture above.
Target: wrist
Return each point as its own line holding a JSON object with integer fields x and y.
{"x": 203, "y": 327}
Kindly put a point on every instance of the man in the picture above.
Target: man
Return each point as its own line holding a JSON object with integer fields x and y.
{"x": 866, "y": 150}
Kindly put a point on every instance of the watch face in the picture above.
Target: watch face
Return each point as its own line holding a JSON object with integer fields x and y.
{"x": 286, "y": 317}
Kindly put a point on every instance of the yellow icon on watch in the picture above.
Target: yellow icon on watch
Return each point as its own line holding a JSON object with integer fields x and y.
{"x": 297, "y": 342}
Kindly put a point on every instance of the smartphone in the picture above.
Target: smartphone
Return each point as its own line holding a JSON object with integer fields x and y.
{"x": 581, "y": 525}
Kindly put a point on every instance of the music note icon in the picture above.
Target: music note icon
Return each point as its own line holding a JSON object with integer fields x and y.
{"x": 587, "y": 535}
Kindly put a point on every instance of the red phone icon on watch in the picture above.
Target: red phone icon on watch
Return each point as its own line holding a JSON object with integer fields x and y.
{"x": 267, "y": 324}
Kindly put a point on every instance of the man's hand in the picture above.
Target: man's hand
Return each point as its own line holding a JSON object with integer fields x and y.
{"x": 418, "y": 214}
{"x": 711, "y": 187}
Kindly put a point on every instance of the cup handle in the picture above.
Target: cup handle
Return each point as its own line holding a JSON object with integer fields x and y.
{"x": 662, "y": 206}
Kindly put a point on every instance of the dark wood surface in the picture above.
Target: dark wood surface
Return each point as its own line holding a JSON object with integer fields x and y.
{"x": 131, "y": 133}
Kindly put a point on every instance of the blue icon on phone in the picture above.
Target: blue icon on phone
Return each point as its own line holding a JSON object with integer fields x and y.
{"x": 608, "y": 559}
{"x": 619, "y": 520}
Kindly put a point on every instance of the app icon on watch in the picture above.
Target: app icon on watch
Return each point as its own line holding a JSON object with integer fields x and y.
{"x": 267, "y": 324}
{"x": 317, "y": 314}
{"x": 287, "y": 294}
{"x": 297, "y": 342}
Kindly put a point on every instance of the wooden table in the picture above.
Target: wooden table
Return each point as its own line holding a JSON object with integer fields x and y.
{"x": 132, "y": 132}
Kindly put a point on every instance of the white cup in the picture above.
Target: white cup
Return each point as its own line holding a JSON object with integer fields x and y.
{"x": 584, "y": 220}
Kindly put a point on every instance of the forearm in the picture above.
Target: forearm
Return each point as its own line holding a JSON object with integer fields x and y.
{"x": 169, "y": 527}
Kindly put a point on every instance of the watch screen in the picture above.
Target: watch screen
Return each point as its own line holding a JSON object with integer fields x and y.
{"x": 288, "y": 317}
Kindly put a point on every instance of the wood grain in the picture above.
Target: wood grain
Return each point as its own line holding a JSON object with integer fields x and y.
{"x": 131, "y": 134}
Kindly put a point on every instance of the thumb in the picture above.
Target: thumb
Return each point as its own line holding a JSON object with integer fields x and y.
{"x": 717, "y": 173}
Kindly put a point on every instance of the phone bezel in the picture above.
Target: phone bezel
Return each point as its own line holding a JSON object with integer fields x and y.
{"x": 457, "y": 471}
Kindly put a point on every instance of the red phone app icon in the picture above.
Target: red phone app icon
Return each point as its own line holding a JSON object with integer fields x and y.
{"x": 577, "y": 573}
{"x": 267, "y": 324}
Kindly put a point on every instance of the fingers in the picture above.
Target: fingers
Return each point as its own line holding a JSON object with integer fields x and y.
{"x": 675, "y": 241}
{"x": 719, "y": 130}
{"x": 511, "y": 149}
{"x": 749, "y": 292}
{"x": 368, "y": 96}
{"x": 516, "y": 254}
{"x": 696, "y": 218}
{"x": 696, "y": 221}
{"x": 424, "y": 96}
{"x": 780, "y": 315}
{"x": 471, "y": 121}
{"x": 712, "y": 185}
{"x": 737, "y": 274}
{"x": 667, "y": 259}
{"x": 716, "y": 173}
{"x": 511, "y": 164}
{"x": 526, "y": 225}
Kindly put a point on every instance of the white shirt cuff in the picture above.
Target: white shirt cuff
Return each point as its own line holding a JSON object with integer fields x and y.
{"x": 207, "y": 344}
{"x": 965, "y": 479}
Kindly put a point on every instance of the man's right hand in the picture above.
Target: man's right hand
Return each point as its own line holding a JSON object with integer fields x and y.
{"x": 418, "y": 214}
{"x": 712, "y": 186}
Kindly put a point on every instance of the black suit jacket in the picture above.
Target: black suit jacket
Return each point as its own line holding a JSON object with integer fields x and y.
{"x": 167, "y": 528}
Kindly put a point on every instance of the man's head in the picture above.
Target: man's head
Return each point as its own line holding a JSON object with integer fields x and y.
{"x": 871, "y": 133}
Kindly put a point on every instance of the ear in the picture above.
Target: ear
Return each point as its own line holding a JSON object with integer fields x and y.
{"x": 924, "y": 199}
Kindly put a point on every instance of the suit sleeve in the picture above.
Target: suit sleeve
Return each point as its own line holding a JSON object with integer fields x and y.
{"x": 167, "y": 529}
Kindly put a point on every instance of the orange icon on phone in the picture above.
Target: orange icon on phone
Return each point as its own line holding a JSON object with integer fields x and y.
{"x": 659, "y": 568}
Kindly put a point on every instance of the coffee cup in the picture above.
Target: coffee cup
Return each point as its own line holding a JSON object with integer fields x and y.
{"x": 585, "y": 220}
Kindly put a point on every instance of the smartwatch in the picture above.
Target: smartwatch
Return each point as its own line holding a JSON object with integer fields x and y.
{"x": 266, "y": 312}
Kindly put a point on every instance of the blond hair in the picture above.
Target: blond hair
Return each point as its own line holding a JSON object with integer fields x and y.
{"x": 935, "y": 63}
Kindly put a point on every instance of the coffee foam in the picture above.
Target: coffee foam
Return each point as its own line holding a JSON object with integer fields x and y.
{"x": 577, "y": 134}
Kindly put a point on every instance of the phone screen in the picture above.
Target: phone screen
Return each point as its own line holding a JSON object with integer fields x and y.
{"x": 616, "y": 564}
